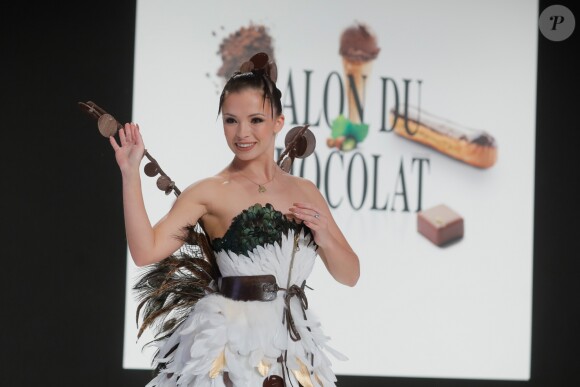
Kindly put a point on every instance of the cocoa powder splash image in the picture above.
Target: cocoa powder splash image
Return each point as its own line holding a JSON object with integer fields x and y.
{"x": 242, "y": 44}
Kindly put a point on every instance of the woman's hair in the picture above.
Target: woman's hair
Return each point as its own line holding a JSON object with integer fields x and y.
{"x": 260, "y": 74}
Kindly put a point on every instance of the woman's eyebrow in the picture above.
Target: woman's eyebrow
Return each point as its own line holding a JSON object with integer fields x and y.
{"x": 258, "y": 114}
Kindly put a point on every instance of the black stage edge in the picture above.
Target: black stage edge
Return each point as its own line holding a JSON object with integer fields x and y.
{"x": 63, "y": 244}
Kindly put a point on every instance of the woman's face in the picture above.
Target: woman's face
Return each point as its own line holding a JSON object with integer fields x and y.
{"x": 249, "y": 127}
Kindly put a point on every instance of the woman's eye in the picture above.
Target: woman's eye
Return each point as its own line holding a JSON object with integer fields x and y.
{"x": 229, "y": 120}
{"x": 257, "y": 120}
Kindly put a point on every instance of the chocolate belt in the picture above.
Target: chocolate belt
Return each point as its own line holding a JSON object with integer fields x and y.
{"x": 250, "y": 288}
{"x": 265, "y": 288}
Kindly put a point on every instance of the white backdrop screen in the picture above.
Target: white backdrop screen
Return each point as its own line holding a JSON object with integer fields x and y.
{"x": 419, "y": 310}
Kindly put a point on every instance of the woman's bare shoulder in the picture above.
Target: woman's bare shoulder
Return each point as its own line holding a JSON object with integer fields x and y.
{"x": 206, "y": 182}
{"x": 301, "y": 182}
{"x": 302, "y": 187}
{"x": 203, "y": 189}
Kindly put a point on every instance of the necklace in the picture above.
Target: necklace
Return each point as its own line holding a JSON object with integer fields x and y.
{"x": 261, "y": 187}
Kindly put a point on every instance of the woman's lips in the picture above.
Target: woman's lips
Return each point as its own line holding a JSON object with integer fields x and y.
{"x": 245, "y": 146}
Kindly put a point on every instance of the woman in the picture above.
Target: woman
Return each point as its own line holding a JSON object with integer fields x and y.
{"x": 265, "y": 229}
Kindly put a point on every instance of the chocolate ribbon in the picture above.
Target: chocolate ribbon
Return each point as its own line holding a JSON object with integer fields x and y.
{"x": 294, "y": 291}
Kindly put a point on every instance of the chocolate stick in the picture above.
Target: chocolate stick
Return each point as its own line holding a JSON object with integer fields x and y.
{"x": 108, "y": 126}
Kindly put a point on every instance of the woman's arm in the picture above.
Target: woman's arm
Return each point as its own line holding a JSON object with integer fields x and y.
{"x": 335, "y": 251}
{"x": 149, "y": 244}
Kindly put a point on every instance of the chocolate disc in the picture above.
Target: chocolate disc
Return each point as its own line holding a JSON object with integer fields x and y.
{"x": 260, "y": 60}
{"x": 107, "y": 125}
{"x": 163, "y": 183}
{"x": 151, "y": 169}
{"x": 170, "y": 188}
{"x": 273, "y": 71}
{"x": 304, "y": 145}
{"x": 273, "y": 381}
{"x": 246, "y": 67}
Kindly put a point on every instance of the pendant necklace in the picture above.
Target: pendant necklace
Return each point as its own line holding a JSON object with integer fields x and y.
{"x": 261, "y": 187}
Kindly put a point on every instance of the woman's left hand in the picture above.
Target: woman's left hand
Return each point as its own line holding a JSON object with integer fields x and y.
{"x": 333, "y": 248}
{"x": 315, "y": 219}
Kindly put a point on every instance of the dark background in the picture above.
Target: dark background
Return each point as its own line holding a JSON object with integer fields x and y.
{"x": 63, "y": 243}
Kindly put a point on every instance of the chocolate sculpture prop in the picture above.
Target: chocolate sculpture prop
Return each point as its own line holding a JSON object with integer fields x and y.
{"x": 108, "y": 126}
{"x": 300, "y": 143}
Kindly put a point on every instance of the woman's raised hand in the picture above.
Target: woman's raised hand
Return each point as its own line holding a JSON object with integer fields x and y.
{"x": 131, "y": 149}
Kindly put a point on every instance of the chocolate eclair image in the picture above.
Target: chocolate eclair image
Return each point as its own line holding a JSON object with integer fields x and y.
{"x": 472, "y": 146}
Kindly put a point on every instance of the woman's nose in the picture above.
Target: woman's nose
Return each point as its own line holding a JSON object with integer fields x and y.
{"x": 243, "y": 130}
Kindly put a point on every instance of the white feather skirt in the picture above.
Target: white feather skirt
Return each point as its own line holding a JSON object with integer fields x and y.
{"x": 246, "y": 338}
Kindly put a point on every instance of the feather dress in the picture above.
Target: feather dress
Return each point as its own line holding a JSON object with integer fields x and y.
{"x": 209, "y": 335}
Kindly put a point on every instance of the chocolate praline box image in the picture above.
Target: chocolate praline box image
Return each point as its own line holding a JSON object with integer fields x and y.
{"x": 440, "y": 224}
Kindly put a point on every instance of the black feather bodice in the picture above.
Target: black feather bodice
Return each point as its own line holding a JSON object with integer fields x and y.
{"x": 256, "y": 226}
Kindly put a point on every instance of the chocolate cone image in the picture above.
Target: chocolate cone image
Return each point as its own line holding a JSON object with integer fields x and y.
{"x": 358, "y": 48}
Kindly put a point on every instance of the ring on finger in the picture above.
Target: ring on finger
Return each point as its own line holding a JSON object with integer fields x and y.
{"x": 316, "y": 215}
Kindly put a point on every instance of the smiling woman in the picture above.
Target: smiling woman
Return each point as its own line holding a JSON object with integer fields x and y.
{"x": 231, "y": 302}
{"x": 250, "y": 129}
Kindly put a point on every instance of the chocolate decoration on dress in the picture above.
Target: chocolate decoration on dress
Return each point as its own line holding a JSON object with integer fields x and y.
{"x": 249, "y": 288}
{"x": 151, "y": 169}
{"x": 300, "y": 143}
{"x": 107, "y": 125}
{"x": 273, "y": 381}
{"x": 260, "y": 62}
{"x": 246, "y": 67}
{"x": 305, "y": 141}
{"x": 164, "y": 183}
{"x": 286, "y": 164}
{"x": 273, "y": 71}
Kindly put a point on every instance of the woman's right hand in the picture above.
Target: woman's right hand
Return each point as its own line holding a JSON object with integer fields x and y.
{"x": 131, "y": 150}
